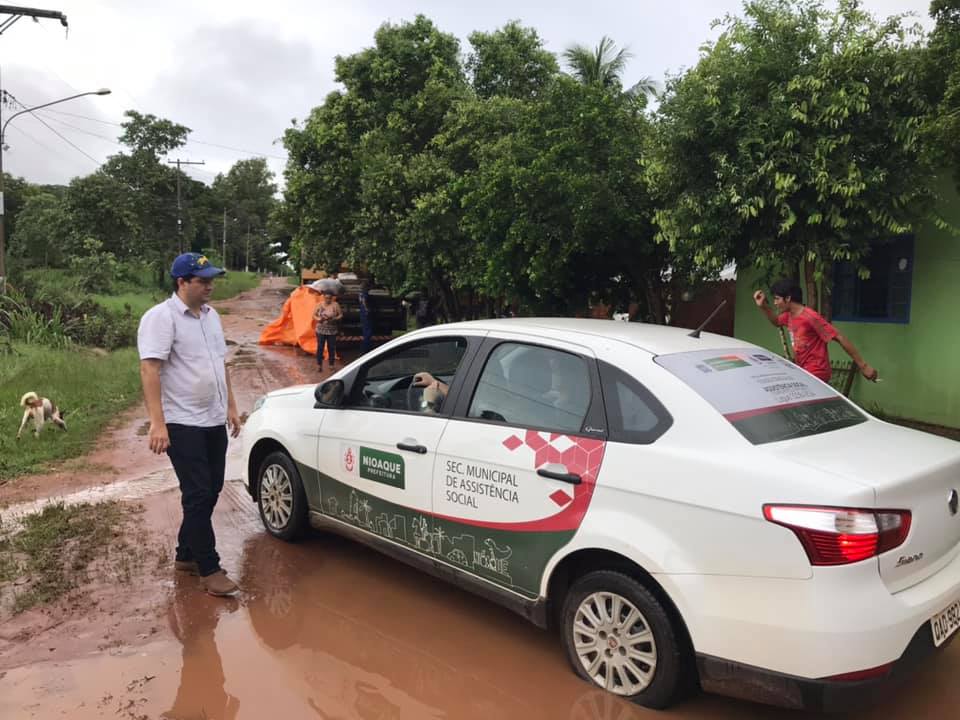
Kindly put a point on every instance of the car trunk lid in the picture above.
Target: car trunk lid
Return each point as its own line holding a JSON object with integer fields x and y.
{"x": 907, "y": 470}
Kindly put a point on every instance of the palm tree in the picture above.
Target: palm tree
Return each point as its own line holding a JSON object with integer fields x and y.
{"x": 645, "y": 86}
{"x": 602, "y": 66}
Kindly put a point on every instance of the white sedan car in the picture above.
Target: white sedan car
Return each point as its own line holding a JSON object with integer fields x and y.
{"x": 683, "y": 509}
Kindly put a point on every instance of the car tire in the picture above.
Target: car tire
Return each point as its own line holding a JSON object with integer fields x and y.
{"x": 599, "y": 610}
{"x": 280, "y": 497}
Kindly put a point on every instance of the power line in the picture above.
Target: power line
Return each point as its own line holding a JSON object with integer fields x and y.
{"x": 118, "y": 143}
{"x": 189, "y": 140}
{"x": 239, "y": 150}
{"x": 84, "y": 117}
{"x": 54, "y": 130}
{"x": 81, "y": 130}
{"x": 46, "y": 147}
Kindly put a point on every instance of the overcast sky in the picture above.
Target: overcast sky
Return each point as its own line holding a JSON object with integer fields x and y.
{"x": 237, "y": 72}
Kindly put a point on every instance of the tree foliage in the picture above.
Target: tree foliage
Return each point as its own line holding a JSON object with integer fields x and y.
{"x": 795, "y": 137}
{"x": 126, "y": 211}
{"x": 602, "y": 65}
{"x": 510, "y": 62}
{"x": 943, "y": 76}
{"x": 499, "y": 182}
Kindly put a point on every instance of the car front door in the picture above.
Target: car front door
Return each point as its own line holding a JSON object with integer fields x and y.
{"x": 518, "y": 460}
{"x": 377, "y": 450}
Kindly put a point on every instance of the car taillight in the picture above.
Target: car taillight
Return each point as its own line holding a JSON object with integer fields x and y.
{"x": 839, "y": 536}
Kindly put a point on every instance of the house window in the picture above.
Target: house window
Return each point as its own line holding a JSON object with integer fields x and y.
{"x": 885, "y": 295}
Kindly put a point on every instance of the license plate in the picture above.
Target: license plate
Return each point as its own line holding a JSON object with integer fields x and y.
{"x": 945, "y": 624}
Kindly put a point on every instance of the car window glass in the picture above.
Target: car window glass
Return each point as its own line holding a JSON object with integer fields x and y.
{"x": 634, "y": 414}
{"x": 766, "y": 398}
{"x": 533, "y": 386}
{"x": 386, "y": 382}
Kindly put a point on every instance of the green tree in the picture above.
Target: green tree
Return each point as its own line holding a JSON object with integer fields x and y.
{"x": 602, "y": 65}
{"x": 510, "y": 62}
{"x": 101, "y": 206}
{"x": 557, "y": 207}
{"x": 44, "y": 225}
{"x": 348, "y": 187}
{"x": 795, "y": 137}
{"x": 154, "y": 185}
{"x": 943, "y": 74}
{"x": 246, "y": 194}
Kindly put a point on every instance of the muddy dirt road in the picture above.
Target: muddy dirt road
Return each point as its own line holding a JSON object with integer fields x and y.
{"x": 322, "y": 629}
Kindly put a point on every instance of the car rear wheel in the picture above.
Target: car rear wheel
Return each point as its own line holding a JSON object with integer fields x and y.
{"x": 617, "y": 635}
{"x": 281, "y": 499}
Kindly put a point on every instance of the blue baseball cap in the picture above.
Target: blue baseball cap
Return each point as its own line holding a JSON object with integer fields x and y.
{"x": 194, "y": 264}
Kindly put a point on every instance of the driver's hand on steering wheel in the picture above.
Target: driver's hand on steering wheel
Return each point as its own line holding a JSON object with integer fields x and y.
{"x": 424, "y": 379}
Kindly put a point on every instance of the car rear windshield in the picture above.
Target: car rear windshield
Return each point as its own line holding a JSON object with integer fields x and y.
{"x": 762, "y": 395}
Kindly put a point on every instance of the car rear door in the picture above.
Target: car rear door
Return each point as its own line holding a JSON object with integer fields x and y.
{"x": 517, "y": 463}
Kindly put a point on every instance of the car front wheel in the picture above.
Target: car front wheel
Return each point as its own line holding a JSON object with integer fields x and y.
{"x": 281, "y": 499}
{"x": 617, "y": 635}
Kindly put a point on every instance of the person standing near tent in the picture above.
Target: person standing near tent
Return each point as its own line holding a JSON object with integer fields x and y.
{"x": 327, "y": 316}
{"x": 809, "y": 331}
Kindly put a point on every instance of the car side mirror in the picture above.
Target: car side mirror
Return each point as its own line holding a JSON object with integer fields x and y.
{"x": 329, "y": 394}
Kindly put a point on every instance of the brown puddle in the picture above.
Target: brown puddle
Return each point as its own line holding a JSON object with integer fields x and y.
{"x": 322, "y": 629}
{"x": 327, "y": 628}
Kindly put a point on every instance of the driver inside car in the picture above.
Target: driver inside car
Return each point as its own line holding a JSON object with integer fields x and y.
{"x": 434, "y": 392}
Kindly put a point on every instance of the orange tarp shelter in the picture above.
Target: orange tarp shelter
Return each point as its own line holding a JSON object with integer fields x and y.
{"x": 295, "y": 324}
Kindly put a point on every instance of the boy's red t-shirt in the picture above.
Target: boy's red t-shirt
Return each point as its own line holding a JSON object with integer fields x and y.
{"x": 810, "y": 333}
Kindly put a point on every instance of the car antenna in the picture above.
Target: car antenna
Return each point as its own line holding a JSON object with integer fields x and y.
{"x": 696, "y": 333}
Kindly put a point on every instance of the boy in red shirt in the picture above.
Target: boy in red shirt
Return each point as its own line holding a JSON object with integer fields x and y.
{"x": 809, "y": 331}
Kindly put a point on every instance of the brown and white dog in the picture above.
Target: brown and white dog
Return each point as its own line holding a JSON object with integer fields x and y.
{"x": 41, "y": 409}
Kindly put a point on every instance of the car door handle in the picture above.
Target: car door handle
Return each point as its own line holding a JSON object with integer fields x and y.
{"x": 571, "y": 478}
{"x": 409, "y": 447}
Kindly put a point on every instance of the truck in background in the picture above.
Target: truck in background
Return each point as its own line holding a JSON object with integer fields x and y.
{"x": 388, "y": 313}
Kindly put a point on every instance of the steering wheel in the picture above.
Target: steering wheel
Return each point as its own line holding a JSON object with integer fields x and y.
{"x": 413, "y": 402}
{"x": 376, "y": 399}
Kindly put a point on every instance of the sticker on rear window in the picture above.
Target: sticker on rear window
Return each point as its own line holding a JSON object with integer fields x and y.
{"x": 766, "y": 398}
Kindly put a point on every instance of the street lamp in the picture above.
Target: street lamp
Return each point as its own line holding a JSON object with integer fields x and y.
{"x": 3, "y": 132}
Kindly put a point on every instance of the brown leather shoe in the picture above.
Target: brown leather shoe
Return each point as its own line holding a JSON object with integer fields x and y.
{"x": 219, "y": 584}
{"x": 187, "y": 566}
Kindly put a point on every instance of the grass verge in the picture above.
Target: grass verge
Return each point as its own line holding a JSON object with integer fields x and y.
{"x": 231, "y": 284}
{"x": 138, "y": 303}
{"x": 90, "y": 386}
{"x": 234, "y": 283}
{"x": 62, "y": 548}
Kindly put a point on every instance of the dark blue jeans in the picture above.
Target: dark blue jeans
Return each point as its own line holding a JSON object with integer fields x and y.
{"x": 199, "y": 456}
{"x": 331, "y": 342}
{"x": 367, "y": 329}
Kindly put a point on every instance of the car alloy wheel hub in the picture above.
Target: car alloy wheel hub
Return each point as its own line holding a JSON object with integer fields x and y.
{"x": 614, "y": 643}
{"x": 276, "y": 497}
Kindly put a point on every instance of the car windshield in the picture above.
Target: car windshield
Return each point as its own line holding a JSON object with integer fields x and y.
{"x": 762, "y": 395}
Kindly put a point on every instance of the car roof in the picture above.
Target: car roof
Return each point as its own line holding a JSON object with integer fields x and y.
{"x": 655, "y": 339}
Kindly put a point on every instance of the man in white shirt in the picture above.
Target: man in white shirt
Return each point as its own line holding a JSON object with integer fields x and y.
{"x": 188, "y": 395}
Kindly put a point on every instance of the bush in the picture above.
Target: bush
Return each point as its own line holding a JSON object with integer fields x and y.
{"x": 58, "y": 314}
{"x": 20, "y": 321}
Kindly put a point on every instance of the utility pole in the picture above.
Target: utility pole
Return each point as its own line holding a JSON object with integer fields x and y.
{"x": 15, "y": 13}
{"x": 224, "y": 239}
{"x": 178, "y": 163}
{"x": 246, "y": 257}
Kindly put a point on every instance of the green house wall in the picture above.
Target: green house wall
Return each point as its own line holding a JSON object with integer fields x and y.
{"x": 919, "y": 362}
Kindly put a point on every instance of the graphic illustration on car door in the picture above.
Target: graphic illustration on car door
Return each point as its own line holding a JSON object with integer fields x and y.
{"x": 507, "y": 496}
